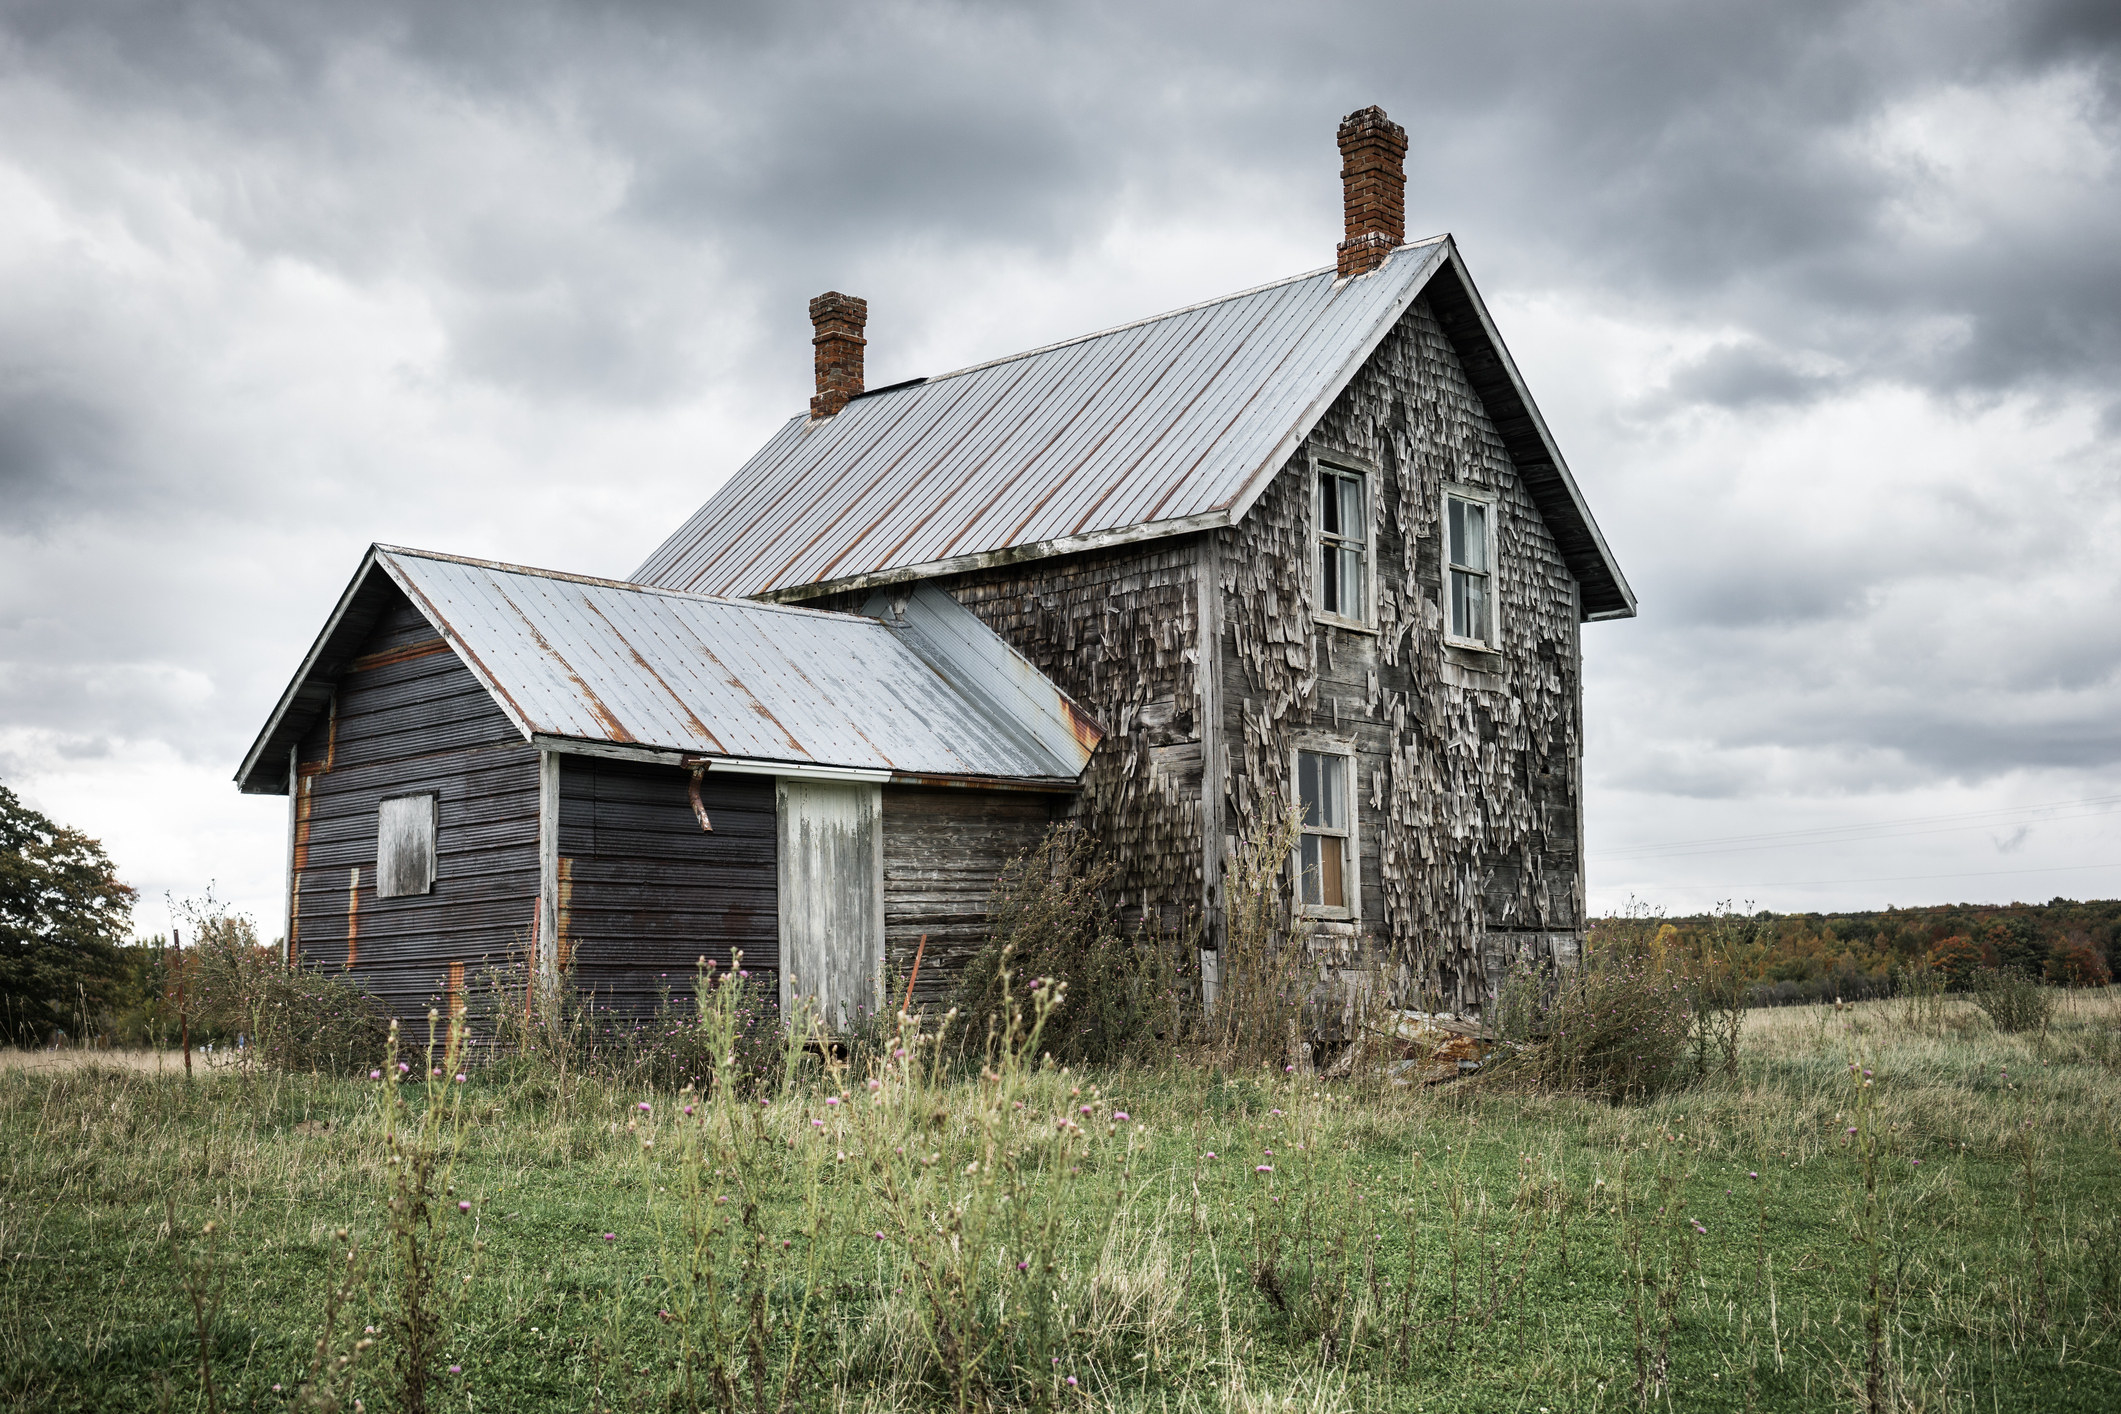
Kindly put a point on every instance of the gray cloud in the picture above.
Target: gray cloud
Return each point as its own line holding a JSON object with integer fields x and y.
{"x": 278, "y": 278}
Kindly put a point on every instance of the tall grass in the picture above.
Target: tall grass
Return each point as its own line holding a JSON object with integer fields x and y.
{"x": 903, "y": 1232}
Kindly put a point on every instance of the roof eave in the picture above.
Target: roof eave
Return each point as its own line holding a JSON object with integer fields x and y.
{"x": 987, "y": 559}
{"x": 248, "y": 777}
{"x": 1618, "y": 600}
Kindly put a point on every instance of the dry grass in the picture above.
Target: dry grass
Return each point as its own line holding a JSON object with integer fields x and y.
{"x": 1409, "y": 1249}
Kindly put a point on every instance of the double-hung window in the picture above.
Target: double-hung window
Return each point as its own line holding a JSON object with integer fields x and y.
{"x": 1326, "y": 883}
{"x": 1343, "y": 544}
{"x": 1469, "y": 535}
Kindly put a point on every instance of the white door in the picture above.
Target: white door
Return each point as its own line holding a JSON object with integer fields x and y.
{"x": 832, "y": 898}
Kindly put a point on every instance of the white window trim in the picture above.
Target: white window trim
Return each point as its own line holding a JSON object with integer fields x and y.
{"x": 1454, "y": 491}
{"x": 1370, "y": 482}
{"x": 1351, "y": 865}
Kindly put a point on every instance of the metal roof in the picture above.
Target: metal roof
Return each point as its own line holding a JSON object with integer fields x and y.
{"x": 1159, "y": 427}
{"x": 934, "y": 693}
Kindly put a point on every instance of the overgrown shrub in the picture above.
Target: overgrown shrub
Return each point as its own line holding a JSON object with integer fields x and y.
{"x": 1621, "y": 1025}
{"x": 671, "y": 1048}
{"x": 300, "y": 1018}
{"x": 1129, "y": 992}
{"x": 2012, "y": 1000}
{"x": 1264, "y": 963}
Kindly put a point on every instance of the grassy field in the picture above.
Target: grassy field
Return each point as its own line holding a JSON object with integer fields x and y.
{"x": 1947, "y": 1237}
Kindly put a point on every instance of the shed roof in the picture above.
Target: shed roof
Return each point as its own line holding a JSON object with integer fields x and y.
{"x": 928, "y": 692}
{"x": 1160, "y": 427}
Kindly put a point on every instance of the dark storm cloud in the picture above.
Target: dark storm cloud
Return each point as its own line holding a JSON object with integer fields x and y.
{"x": 618, "y": 211}
{"x": 1710, "y": 156}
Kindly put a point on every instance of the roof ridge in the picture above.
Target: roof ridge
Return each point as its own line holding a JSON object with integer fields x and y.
{"x": 1155, "y": 318}
{"x": 504, "y": 567}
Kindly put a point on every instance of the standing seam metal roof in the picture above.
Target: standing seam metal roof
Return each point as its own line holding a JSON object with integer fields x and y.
{"x": 933, "y": 693}
{"x": 1163, "y": 421}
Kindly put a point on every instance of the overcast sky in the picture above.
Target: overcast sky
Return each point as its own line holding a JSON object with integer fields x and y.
{"x": 1823, "y": 302}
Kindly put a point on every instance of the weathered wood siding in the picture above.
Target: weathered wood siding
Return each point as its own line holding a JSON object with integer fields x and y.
{"x": 645, "y": 893}
{"x": 830, "y": 851}
{"x": 943, "y": 850}
{"x": 1466, "y": 762}
{"x": 409, "y": 716}
{"x": 1116, "y": 629}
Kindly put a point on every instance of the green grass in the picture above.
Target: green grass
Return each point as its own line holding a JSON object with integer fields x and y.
{"x": 1450, "y": 1250}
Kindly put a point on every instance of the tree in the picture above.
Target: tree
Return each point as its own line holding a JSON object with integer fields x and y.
{"x": 63, "y": 914}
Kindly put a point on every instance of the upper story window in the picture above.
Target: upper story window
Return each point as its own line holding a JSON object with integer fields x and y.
{"x": 1325, "y": 858}
{"x": 1469, "y": 535}
{"x": 405, "y": 846}
{"x": 1343, "y": 544}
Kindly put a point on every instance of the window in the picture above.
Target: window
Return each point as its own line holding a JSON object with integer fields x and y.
{"x": 1470, "y": 532}
{"x": 1325, "y": 866}
{"x": 1343, "y": 545}
{"x": 405, "y": 846}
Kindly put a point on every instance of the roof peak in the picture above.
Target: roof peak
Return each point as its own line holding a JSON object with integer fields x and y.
{"x": 1183, "y": 309}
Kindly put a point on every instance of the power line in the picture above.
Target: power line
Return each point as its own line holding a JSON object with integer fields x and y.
{"x": 1676, "y": 852}
{"x": 1876, "y": 829}
{"x": 1902, "y": 878}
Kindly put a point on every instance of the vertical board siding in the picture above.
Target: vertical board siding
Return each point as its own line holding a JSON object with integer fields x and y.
{"x": 645, "y": 893}
{"x": 943, "y": 851}
{"x": 409, "y": 716}
{"x": 1465, "y": 761}
{"x": 831, "y": 898}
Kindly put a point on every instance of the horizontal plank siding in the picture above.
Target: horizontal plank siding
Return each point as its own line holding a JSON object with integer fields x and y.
{"x": 943, "y": 850}
{"x": 646, "y": 893}
{"x": 412, "y": 724}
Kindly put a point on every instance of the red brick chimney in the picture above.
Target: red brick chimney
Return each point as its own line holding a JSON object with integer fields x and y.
{"x": 839, "y": 320}
{"x": 1373, "y": 182}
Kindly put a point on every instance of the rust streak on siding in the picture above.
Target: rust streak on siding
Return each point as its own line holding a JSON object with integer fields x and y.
{"x": 564, "y": 945}
{"x": 405, "y": 654}
{"x": 353, "y": 915}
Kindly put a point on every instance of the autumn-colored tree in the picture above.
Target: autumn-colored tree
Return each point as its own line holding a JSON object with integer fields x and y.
{"x": 2073, "y": 963}
{"x": 1956, "y": 960}
{"x": 63, "y": 914}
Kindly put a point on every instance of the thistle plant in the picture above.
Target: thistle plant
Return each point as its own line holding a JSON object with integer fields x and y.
{"x": 742, "y": 1301}
{"x": 431, "y": 1253}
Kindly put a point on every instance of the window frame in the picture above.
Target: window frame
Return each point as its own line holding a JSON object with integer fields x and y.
{"x": 1367, "y": 475}
{"x": 434, "y": 844}
{"x": 1342, "y": 747}
{"x": 1472, "y": 495}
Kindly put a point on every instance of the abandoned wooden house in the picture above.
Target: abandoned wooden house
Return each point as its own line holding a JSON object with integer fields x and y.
{"x": 1310, "y": 543}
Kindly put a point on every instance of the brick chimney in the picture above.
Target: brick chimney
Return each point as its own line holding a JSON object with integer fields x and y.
{"x": 838, "y": 342}
{"x": 1373, "y": 183}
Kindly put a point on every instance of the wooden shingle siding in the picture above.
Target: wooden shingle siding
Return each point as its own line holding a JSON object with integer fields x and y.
{"x": 419, "y": 723}
{"x": 943, "y": 851}
{"x": 1116, "y": 630}
{"x": 1466, "y": 762}
{"x": 645, "y": 893}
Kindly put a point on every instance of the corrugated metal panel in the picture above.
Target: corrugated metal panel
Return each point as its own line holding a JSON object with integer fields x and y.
{"x": 597, "y": 660}
{"x": 1166, "y": 420}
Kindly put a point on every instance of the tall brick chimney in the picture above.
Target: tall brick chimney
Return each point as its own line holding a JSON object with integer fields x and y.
{"x": 1373, "y": 183}
{"x": 839, "y": 320}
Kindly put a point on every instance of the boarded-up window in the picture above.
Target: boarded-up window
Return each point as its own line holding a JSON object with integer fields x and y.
{"x": 405, "y": 846}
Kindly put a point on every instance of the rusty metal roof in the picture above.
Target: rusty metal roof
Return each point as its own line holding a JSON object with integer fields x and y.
{"x": 932, "y": 693}
{"x": 1159, "y": 427}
